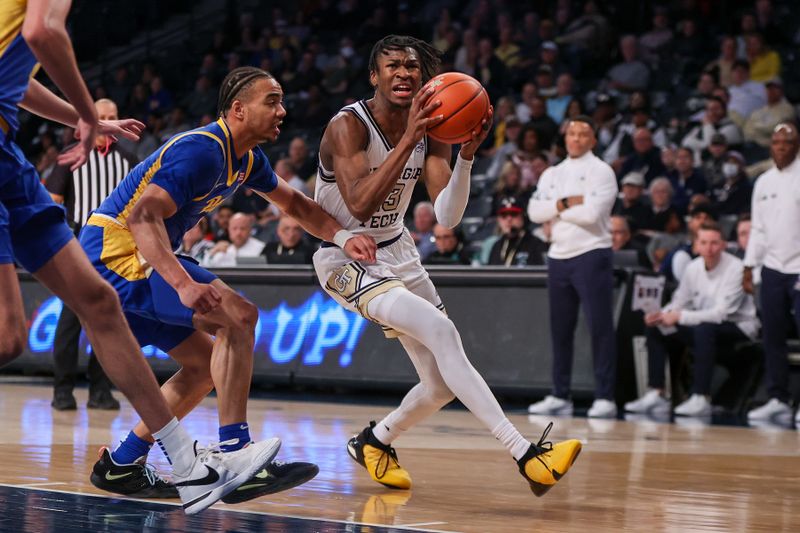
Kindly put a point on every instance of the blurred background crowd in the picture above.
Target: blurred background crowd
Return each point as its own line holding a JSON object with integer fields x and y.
{"x": 684, "y": 93}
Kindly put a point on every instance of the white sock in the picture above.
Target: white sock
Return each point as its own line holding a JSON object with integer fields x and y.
{"x": 516, "y": 444}
{"x": 416, "y": 317}
{"x": 386, "y": 433}
{"x": 177, "y": 446}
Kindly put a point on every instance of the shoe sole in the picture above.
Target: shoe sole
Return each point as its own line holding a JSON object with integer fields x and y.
{"x": 772, "y": 418}
{"x": 540, "y": 489}
{"x": 604, "y": 416}
{"x": 652, "y": 410}
{"x": 287, "y": 483}
{"x": 211, "y": 497}
{"x": 98, "y": 482}
{"x": 360, "y": 460}
{"x": 564, "y": 412}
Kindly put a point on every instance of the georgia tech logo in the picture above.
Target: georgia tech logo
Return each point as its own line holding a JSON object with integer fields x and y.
{"x": 342, "y": 280}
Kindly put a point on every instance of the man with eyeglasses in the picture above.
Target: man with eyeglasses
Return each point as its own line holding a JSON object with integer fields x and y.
{"x": 449, "y": 247}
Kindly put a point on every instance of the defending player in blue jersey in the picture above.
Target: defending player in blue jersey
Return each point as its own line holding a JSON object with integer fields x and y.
{"x": 33, "y": 231}
{"x": 176, "y": 305}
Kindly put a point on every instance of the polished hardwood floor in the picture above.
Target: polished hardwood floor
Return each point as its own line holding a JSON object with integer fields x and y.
{"x": 632, "y": 475}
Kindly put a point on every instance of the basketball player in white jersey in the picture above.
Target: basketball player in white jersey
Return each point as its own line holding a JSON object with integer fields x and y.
{"x": 371, "y": 156}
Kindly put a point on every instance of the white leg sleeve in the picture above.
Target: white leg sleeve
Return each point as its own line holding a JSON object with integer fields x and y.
{"x": 418, "y": 318}
{"x": 424, "y": 399}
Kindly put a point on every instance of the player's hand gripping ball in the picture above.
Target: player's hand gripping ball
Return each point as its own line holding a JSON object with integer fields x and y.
{"x": 465, "y": 103}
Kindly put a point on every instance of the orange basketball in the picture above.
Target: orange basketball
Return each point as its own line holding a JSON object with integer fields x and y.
{"x": 464, "y": 104}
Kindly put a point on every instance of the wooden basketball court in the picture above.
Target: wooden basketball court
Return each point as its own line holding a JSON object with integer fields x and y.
{"x": 638, "y": 476}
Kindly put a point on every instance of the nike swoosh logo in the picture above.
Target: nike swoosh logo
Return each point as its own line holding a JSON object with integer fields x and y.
{"x": 114, "y": 477}
{"x": 244, "y": 427}
{"x": 263, "y": 474}
{"x": 211, "y": 477}
{"x": 245, "y": 487}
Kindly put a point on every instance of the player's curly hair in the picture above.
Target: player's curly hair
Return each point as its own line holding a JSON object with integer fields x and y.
{"x": 235, "y": 83}
{"x": 429, "y": 56}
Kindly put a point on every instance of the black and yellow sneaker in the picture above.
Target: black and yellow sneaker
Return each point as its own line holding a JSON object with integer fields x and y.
{"x": 277, "y": 476}
{"x": 379, "y": 459}
{"x": 545, "y": 463}
{"x": 139, "y": 479}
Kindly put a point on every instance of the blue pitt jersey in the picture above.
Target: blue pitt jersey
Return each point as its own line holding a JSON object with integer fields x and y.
{"x": 198, "y": 170}
{"x": 17, "y": 62}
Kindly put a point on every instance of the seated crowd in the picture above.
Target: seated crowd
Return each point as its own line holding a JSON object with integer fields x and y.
{"x": 684, "y": 101}
{"x": 700, "y": 127}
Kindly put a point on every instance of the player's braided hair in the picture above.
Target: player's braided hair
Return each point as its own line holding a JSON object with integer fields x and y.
{"x": 429, "y": 56}
{"x": 237, "y": 81}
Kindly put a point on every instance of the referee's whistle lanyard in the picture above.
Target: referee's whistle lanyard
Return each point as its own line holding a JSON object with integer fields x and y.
{"x": 103, "y": 150}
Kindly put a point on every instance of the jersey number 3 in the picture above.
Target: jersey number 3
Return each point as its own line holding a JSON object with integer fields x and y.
{"x": 392, "y": 201}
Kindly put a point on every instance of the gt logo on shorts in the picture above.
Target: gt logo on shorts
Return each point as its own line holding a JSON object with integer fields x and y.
{"x": 342, "y": 280}
{"x": 346, "y": 280}
{"x": 352, "y": 283}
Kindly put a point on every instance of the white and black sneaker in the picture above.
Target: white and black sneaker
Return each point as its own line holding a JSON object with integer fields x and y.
{"x": 214, "y": 474}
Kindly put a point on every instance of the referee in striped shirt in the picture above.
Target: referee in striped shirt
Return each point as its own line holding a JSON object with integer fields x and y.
{"x": 81, "y": 191}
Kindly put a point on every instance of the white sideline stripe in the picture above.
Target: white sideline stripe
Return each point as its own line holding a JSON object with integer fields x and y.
{"x": 46, "y": 484}
{"x": 318, "y": 519}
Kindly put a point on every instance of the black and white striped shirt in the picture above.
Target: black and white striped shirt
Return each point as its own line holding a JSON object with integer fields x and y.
{"x": 85, "y": 188}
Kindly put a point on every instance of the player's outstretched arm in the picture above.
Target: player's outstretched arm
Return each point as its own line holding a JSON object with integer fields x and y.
{"x": 345, "y": 139}
{"x": 317, "y": 222}
{"x": 45, "y": 33}
{"x": 41, "y": 101}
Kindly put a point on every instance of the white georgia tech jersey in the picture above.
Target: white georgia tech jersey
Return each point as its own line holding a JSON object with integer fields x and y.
{"x": 387, "y": 221}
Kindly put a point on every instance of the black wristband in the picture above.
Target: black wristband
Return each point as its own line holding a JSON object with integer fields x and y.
{"x": 565, "y": 203}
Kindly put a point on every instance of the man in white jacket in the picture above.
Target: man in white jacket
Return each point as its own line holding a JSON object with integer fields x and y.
{"x": 578, "y": 195}
{"x": 708, "y": 310}
{"x": 774, "y": 245}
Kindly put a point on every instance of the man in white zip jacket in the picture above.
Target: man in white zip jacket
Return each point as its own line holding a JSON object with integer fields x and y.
{"x": 775, "y": 246}
{"x": 578, "y": 195}
{"x": 709, "y": 310}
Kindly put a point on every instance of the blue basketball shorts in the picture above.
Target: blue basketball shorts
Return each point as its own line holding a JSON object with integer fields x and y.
{"x": 6, "y": 250}
{"x": 153, "y": 308}
{"x": 31, "y": 224}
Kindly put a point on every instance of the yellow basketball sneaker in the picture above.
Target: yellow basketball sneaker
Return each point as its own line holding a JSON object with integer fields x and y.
{"x": 379, "y": 459}
{"x": 545, "y": 463}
